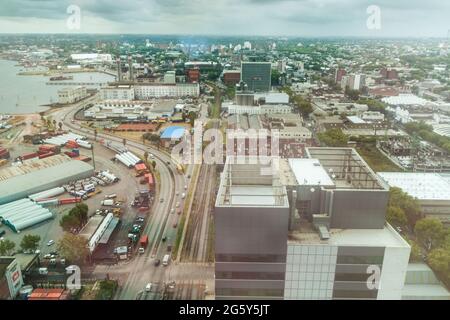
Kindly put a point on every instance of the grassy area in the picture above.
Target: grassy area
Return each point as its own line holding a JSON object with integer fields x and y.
{"x": 375, "y": 159}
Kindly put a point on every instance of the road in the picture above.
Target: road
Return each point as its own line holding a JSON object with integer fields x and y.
{"x": 135, "y": 274}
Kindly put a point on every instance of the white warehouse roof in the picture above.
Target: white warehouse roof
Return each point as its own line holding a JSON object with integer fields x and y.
{"x": 423, "y": 186}
{"x": 22, "y": 214}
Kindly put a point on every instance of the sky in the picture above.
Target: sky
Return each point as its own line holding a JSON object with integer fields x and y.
{"x": 302, "y": 18}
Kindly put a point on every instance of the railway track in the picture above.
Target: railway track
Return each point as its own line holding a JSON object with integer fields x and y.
{"x": 195, "y": 243}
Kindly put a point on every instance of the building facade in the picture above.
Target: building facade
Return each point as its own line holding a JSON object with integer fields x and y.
{"x": 71, "y": 95}
{"x": 257, "y": 75}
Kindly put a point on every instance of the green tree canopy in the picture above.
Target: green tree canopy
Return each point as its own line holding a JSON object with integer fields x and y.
{"x": 430, "y": 232}
{"x": 439, "y": 260}
{"x": 6, "y": 247}
{"x": 74, "y": 248}
{"x": 409, "y": 205}
{"x": 396, "y": 216}
{"x": 333, "y": 138}
{"x": 30, "y": 242}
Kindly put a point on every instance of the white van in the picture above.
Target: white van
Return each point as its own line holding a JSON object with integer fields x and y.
{"x": 166, "y": 260}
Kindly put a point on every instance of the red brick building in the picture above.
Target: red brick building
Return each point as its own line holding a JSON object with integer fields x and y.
{"x": 231, "y": 77}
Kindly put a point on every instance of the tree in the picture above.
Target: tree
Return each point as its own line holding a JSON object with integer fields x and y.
{"x": 333, "y": 138}
{"x": 69, "y": 222}
{"x": 302, "y": 105}
{"x": 416, "y": 253}
{"x": 60, "y": 125}
{"x": 124, "y": 141}
{"x": 410, "y": 205}
{"x": 80, "y": 211}
{"x": 439, "y": 260}
{"x": 396, "y": 216}
{"x": 30, "y": 242}
{"x": 74, "y": 248}
{"x": 6, "y": 247}
{"x": 107, "y": 290}
{"x": 192, "y": 116}
{"x": 430, "y": 232}
{"x": 352, "y": 94}
{"x": 154, "y": 164}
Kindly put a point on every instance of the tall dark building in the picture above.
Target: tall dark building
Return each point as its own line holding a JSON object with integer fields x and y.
{"x": 257, "y": 75}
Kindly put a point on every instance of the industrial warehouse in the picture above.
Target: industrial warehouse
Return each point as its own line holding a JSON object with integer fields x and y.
{"x": 22, "y": 186}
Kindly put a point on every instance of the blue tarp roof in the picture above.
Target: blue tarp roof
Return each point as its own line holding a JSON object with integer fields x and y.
{"x": 175, "y": 132}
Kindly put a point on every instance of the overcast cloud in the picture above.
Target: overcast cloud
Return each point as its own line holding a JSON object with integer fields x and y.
{"x": 399, "y": 18}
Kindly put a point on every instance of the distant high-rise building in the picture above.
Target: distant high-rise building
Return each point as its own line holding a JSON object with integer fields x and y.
{"x": 353, "y": 81}
{"x": 339, "y": 74}
{"x": 257, "y": 75}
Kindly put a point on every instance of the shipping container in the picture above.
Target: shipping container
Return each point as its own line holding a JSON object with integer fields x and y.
{"x": 144, "y": 241}
{"x": 29, "y": 156}
{"x": 69, "y": 201}
{"x": 46, "y": 155}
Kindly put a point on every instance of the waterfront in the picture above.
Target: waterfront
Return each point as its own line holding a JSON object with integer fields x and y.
{"x": 30, "y": 94}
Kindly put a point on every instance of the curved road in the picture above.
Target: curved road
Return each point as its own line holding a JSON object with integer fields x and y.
{"x": 141, "y": 269}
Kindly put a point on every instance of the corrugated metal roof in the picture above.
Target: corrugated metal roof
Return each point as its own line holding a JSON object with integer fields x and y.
{"x": 22, "y": 186}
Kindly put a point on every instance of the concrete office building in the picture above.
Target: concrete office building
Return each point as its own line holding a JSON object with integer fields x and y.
{"x": 117, "y": 92}
{"x": 251, "y": 216}
{"x": 160, "y": 90}
{"x": 71, "y": 94}
{"x": 337, "y": 234}
{"x": 257, "y": 75}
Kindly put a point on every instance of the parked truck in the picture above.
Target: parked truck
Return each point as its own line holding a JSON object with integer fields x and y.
{"x": 143, "y": 242}
{"x": 108, "y": 202}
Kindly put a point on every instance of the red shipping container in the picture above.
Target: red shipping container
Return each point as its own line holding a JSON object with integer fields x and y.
{"x": 46, "y": 155}
{"x": 69, "y": 201}
{"x": 143, "y": 209}
{"x": 29, "y": 156}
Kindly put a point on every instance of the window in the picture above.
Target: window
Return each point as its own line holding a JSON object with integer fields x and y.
{"x": 250, "y": 258}
{"x": 355, "y": 294}
{"x": 250, "y": 275}
{"x": 360, "y": 260}
{"x": 249, "y": 292}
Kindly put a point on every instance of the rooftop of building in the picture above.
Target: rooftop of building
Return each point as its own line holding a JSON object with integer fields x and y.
{"x": 306, "y": 233}
{"x": 346, "y": 168}
{"x": 421, "y": 185}
{"x": 247, "y": 182}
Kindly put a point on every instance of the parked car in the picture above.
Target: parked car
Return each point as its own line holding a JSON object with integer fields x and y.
{"x": 50, "y": 243}
{"x": 148, "y": 287}
{"x": 157, "y": 262}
